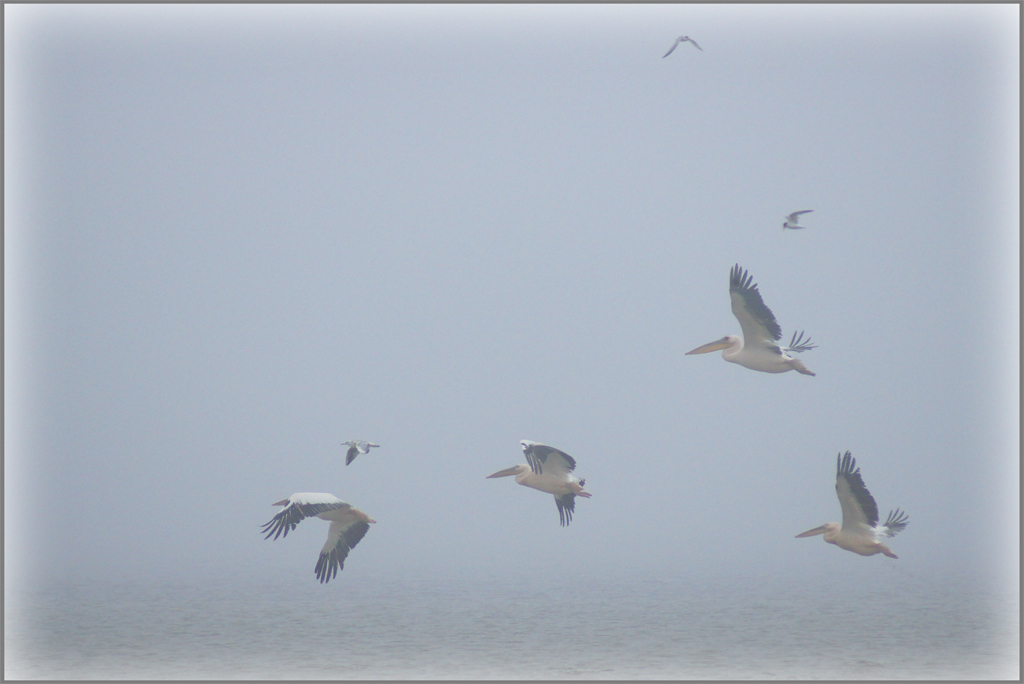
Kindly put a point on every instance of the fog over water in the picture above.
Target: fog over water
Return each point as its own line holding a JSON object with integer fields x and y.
{"x": 479, "y": 628}
{"x": 237, "y": 236}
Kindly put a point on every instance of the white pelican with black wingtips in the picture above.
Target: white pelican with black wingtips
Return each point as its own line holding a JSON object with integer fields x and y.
{"x": 860, "y": 531}
{"x": 549, "y": 470}
{"x": 356, "y": 447}
{"x": 348, "y": 525}
{"x": 758, "y": 349}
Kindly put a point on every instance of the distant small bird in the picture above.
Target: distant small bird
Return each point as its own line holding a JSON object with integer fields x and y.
{"x": 682, "y": 39}
{"x": 793, "y": 220}
{"x": 356, "y": 447}
{"x": 348, "y": 526}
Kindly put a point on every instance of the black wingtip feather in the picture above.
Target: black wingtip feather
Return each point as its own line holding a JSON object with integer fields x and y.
{"x": 566, "y": 507}
{"x": 798, "y": 344}
{"x": 896, "y": 522}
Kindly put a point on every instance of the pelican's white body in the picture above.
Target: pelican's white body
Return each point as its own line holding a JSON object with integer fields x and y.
{"x": 759, "y": 357}
{"x": 864, "y": 541}
{"x": 552, "y": 484}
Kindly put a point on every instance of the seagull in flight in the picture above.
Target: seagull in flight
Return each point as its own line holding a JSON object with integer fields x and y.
{"x": 356, "y": 447}
{"x": 682, "y": 39}
{"x": 793, "y": 220}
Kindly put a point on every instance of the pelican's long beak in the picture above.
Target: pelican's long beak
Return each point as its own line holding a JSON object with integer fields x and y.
{"x": 710, "y": 347}
{"x": 811, "y": 533}
{"x": 505, "y": 473}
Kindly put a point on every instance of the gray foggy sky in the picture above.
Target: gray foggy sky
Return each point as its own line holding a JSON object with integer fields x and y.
{"x": 237, "y": 236}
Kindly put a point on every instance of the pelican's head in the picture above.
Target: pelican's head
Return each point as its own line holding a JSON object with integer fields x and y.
{"x": 827, "y": 527}
{"x": 724, "y": 343}
{"x": 514, "y": 470}
{"x": 361, "y": 516}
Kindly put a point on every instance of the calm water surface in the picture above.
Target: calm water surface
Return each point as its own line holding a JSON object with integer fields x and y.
{"x": 489, "y": 628}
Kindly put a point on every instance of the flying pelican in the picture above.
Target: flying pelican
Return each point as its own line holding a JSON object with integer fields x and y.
{"x": 356, "y": 447}
{"x": 348, "y": 525}
{"x": 860, "y": 532}
{"x": 793, "y": 220}
{"x": 758, "y": 349}
{"x": 549, "y": 470}
{"x": 682, "y": 39}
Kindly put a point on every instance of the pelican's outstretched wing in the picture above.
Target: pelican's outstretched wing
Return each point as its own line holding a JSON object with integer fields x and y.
{"x": 895, "y": 523}
{"x": 545, "y": 460}
{"x": 343, "y": 535}
{"x": 860, "y": 512}
{"x": 798, "y": 344}
{"x": 348, "y": 525}
{"x": 566, "y": 507}
{"x": 757, "y": 321}
{"x": 297, "y": 508}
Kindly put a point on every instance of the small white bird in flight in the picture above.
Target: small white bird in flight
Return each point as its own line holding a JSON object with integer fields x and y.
{"x": 348, "y": 525}
{"x": 793, "y": 220}
{"x": 356, "y": 447}
{"x": 682, "y": 39}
